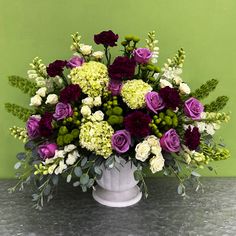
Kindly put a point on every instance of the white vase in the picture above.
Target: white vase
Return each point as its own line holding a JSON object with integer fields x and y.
{"x": 118, "y": 188}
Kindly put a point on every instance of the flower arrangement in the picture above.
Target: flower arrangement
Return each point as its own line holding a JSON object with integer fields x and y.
{"x": 90, "y": 111}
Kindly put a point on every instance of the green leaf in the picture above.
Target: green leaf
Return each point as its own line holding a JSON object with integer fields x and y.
{"x": 55, "y": 180}
{"x": 84, "y": 179}
{"x": 21, "y": 156}
{"x": 90, "y": 183}
{"x": 47, "y": 190}
{"x": 68, "y": 179}
{"x": 17, "y": 165}
{"x": 84, "y": 188}
{"x": 109, "y": 163}
{"x": 84, "y": 161}
{"x": 78, "y": 171}
{"x": 76, "y": 184}
{"x": 97, "y": 170}
{"x": 138, "y": 175}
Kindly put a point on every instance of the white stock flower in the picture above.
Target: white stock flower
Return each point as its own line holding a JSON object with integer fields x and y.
{"x": 36, "y": 101}
{"x": 142, "y": 151}
{"x": 51, "y": 169}
{"x": 88, "y": 101}
{"x": 157, "y": 163}
{"x": 198, "y": 156}
{"x": 98, "y": 115}
{"x": 40, "y": 81}
{"x": 154, "y": 144}
{"x": 98, "y": 54}
{"x": 72, "y": 157}
{"x": 85, "y": 111}
{"x": 201, "y": 126}
{"x": 42, "y": 92}
{"x": 97, "y": 101}
{"x": 62, "y": 166}
{"x": 184, "y": 88}
{"x": 85, "y": 49}
{"x": 177, "y": 80}
{"x": 165, "y": 83}
{"x": 210, "y": 129}
{"x": 69, "y": 148}
{"x": 52, "y": 99}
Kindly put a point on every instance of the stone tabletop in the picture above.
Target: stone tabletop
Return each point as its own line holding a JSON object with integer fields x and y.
{"x": 163, "y": 213}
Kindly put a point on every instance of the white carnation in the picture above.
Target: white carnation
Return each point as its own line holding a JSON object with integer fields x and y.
{"x": 177, "y": 80}
{"x": 88, "y": 101}
{"x": 98, "y": 54}
{"x": 142, "y": 151}
{"x": 62, "y": 166}
{"x": 98, "y": 115}
{"x": 52, "y": 99}
{"x": 42, "y": 92}
{"x": 97, "y": 101}
{"x": 72, "y": 157}
{"x": 85, "y": 111}
{"x": 85, "y": 49}
{"x": 69, "y": 148}
{"x": 36, "y": 101}
{"x": 165, "y": 83}
{"x": 157, "y": 163}
{"x": 184, "y": 88}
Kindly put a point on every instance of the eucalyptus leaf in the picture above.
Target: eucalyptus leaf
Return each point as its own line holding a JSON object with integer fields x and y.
{"x": 55, "y": 179}
{"x": 21, "y": 156}
{"x": 90, "y": 183}
{"x": 76, "y": 184}
{"x": 84, "y": 161}
{"x": 78, "y": 171}
{"x": 195, "y": 174}
{"x": 180, "y": 189}
{"x": 68, "y": 179}
{"x": 97, "y": 170}
{"x": 17, "y": 165}
{"x": 109, "y": 162}
{"x": 138, "y": 175}
{"x": 84, "y": 179}
{"x": 30, "y": 145}
{"x": 84, "y": 188}
{"x": 47, "y": 190}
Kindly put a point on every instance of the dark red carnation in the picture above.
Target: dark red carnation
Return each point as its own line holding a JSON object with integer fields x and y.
{"x": 70, "y": 93}
{"x": 170, "y": 97}
{"x": 122, "y": 67}
{"x": 56, "y": 68}
{"x": 192, "y": 138}
{"x": 45, "y": 124}
{"x": 107, "y": 38}
{"x": 137, "y": 123}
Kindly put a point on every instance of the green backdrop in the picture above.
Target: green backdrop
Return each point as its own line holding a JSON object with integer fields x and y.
{"x": 205, "y": 29}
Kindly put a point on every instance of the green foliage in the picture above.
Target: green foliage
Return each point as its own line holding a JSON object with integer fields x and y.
{"x": 217, "y": 105}
{"x": 205, "y": 89}
{"x": 177, "y": 60}
{"x": 23, "y": 84}
{"x": 18, "y": 111}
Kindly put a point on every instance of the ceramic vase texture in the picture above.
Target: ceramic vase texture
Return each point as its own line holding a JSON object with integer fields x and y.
{"x": 117, "y": 187}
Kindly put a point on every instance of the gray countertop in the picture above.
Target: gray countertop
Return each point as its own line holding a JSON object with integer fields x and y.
{"x": 163, "y": 213}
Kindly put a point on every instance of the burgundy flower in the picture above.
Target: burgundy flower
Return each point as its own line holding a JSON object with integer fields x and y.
{"x": 107, "y": 38}
{"x": 45, "y": 124}
{"x": 56, "y": 68}
{"x": 170, "y": 97}
{"x": 137, "y": 123}
{"x": 115, "y": 87}
{"x": 70, "y": 93}
{"x": 122, "y": 67}
{"x": 192, "y": 138}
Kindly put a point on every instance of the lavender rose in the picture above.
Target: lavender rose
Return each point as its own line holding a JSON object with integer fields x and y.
{"x": 193, "y": 108}
{"x": 142, "y": 55}
{"x": 47, "y": 150}
{"x": 115, "y": 87}
{"x": 154, "y": 102}
{"x": 62, "y": 111}
{"x": 121, "y": 141}
{"x": 32, "y": 126}
{"x": 170, "y": 141}
{"x": 75, "y": 62}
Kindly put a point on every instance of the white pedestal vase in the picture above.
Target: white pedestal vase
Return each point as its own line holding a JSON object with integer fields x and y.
{"x": 118, "y": 188}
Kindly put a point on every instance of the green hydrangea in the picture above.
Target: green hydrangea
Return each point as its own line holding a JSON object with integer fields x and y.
{"x": 92, "y": 77}
{"x": 96, "y": 136}
{"x": 133, "y": 93}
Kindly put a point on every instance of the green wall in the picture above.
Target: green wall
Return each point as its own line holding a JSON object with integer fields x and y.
{"x": 204, "y": 28}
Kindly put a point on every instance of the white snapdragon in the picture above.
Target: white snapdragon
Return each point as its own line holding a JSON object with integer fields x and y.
{"x": 157, "y": 163}
{"x": 52, "y": 99}
{"x": 32, "y": 74}
{"x": 142, "y": 151}
{"x": 85, "y": 49}
{"x": 40, "y": 81}
{"x": 42, "y": 92}
{"x": 184, "y": 88}
{"x": 36, "y": 101}
{"x": 98, "y": 115}
{"x": 165, "y": 83}
{"x": 98, "y": 54}
{"x": 85, "y": 111}
{"x": 97, "y": 101}
{"x": 88, "y": 101}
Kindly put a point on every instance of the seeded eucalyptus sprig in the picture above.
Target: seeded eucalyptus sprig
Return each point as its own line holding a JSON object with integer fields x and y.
{"x": 205, "y": 89}
{"x": 23, "y": 84}
{"x": 217, "y": 104}
{"x": 21, "y": 112}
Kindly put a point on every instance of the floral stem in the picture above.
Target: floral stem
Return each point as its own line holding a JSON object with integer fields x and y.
{"x": 64, "y": 79}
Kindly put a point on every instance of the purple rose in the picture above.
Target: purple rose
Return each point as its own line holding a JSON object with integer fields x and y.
{"x": 115, "y": 87}
{"x": 47, "y": 150}
{"x": 154, "y": 102}
{"x": 32, "y": 126}
{"x": 56, "y": 68}
{"x": 121, "y": 141}
{"x": 75, "y": 62}
{"x": 142, "y": 55}
{"x": 193, "y": 108}
{"x": 170, "y": 141}
{"x": 62, "y": 111}
{"x": 107, "y": 38}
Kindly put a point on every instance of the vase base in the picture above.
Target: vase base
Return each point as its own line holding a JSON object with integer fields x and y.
{"x": 117, "y": 199}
